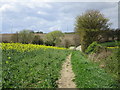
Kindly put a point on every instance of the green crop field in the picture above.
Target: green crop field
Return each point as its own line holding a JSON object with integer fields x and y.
{"x": 37, "y": 68}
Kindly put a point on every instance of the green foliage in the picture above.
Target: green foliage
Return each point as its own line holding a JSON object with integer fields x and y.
{"x": 92, "y": 48}
{"x": 88, "y": 26}
{"x": 92, "y": 19}
{"x": 5, "y": 41}
{"x": 117, "y": 43}
{"x": 40, "y": 32}
{"x": 87, "y": 38}
{"x": 107, "y": 57}
{"x": 37, "y": 69}
{"x": 110, "y": 44}
{"x": 49, "y": 43}
{"x": 25, "y": 36}
{"x": 54, "y": 37}
{"x": 37, "y": 40}
{"x": 67, "y": 43}
{"x": 69, "y": 32}
{"x": 112, "y": 63}
{"x": 88, "y": 74}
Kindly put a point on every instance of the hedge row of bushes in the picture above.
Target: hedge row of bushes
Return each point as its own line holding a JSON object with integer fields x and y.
{"x": 35, "y": 40}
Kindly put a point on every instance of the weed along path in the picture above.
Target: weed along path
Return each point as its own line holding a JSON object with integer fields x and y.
{"x": 67, "y": 75}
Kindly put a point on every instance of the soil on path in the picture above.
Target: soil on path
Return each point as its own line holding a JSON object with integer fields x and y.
{"x": 67, "y": 75}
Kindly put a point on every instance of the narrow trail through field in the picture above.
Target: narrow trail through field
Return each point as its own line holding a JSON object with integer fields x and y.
{"x": 67, "y": 75}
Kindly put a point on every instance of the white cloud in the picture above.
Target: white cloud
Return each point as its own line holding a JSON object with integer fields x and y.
{"x": 49, "y": 16}
{"x": 42, "y": 13}
{"x": 56, "y": 27}
{"x": 8, "y": 0}
{"x": 6, "y": 7}
{"x": 59, "y": 0}
{"x": 34, "y": 4}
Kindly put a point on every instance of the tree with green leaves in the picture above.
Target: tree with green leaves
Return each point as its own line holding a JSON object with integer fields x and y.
{"x": 25, "y": 36}
{"x": 89, "y": 25}
{"x": 54, "y": 37}
{"x": 37, "y": 40}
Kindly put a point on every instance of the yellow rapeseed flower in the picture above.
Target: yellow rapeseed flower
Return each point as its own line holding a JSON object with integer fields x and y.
{"x": 7, "y": 62}
{"x": 9, "y": 57}
{"x": 113, "y": 47}
{"x": 26, "y": 47}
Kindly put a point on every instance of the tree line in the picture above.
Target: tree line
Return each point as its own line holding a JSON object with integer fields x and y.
{"x": 26, "y": 37}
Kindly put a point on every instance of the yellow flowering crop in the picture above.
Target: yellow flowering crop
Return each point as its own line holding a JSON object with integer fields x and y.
{"x": 113, "y": 47}
{"x": 25, "y": 47}
{"x": 7, "y": 62}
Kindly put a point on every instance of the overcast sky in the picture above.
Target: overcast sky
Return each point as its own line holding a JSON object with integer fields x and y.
{"x": 49, "y": 16}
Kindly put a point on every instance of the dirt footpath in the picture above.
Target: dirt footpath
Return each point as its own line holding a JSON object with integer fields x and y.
{"x": 67, "y": 75}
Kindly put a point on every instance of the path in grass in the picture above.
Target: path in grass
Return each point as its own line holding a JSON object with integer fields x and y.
{"x": 67, "y": 75}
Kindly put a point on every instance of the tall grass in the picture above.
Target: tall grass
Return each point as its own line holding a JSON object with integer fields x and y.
{"x": 89, "y": 75}
{"x": 112, "y": 63}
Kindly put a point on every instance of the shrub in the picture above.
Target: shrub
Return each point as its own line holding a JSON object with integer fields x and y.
{"x": 87, "y": 37}
{"x": 107, "y": 57}
{"x": 94, "y": 47}
{"x": 5, "y": 41}
{"x": 54, "y": 37}
{"x": 110, "y": 44}
{"x": 48, "y": 43}
{"x": 37, "y": 40}
{"x": 111, "y": 62}
{"x": 67, "y": 43}
{"x": 25, "y": 36}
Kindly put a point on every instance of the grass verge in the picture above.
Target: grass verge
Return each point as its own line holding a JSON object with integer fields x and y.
{"x": 88, "y": 74}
